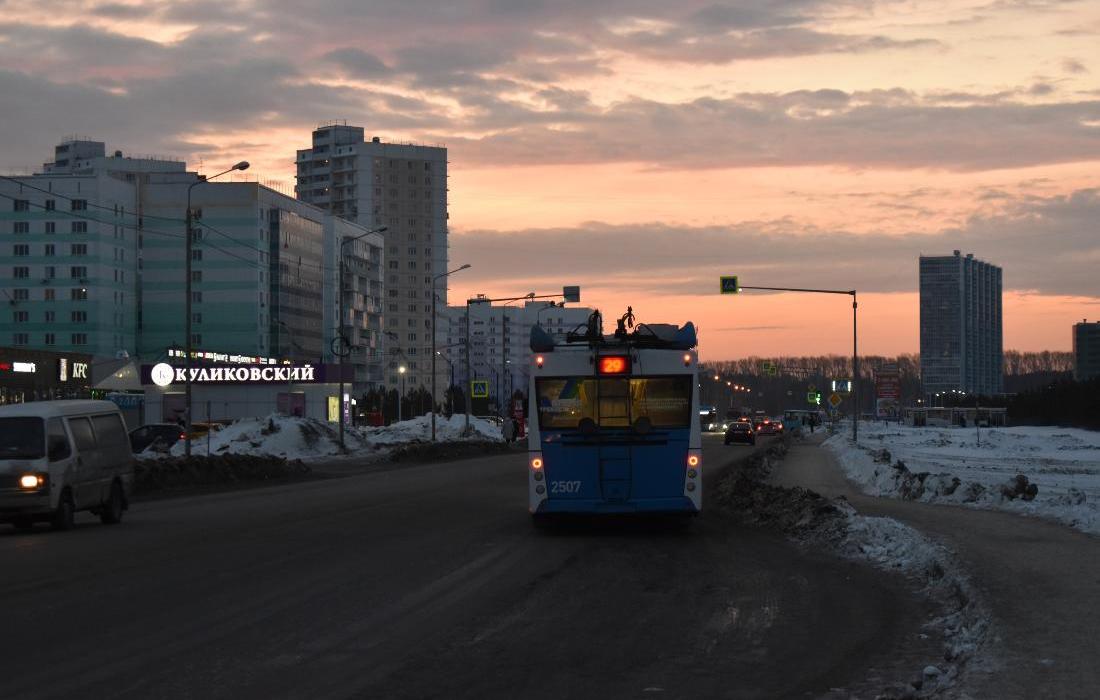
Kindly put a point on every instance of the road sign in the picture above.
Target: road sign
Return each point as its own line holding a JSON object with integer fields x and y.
{"x": 813, "y": 397}
{"x": 834, "y": 399}
{"x": 479, "y": 388}
{"x": 572, "y": 294}
{"x": 728, "y": 284}
{"x": 842, "y": 386}
{"x": 811, "y": 387}
{"x": 769, "y": 368}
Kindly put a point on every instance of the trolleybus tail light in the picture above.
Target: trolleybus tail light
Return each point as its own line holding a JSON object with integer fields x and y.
{"x": 687, "y": 359}
{"x": 539, "y": 360}
{"x": 695, "y": 459}
{"x": 614, "y": 364}
{"x": 536, "y": 467}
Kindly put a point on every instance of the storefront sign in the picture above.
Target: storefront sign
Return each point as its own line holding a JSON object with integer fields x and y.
{"x": 231, "y": 358}
{"x": 26, "y": 367}
{"x": 67, "y": 369}
{"x": 164, "y": 374}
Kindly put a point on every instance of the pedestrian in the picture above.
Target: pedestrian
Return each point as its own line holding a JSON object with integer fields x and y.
{"x": 508, "y": 428}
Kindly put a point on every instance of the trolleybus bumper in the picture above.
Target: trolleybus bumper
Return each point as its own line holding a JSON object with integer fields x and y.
{"x": 642, "y": 505}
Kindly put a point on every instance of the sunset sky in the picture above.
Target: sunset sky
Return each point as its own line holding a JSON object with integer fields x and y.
{"x": 639, "y": 148}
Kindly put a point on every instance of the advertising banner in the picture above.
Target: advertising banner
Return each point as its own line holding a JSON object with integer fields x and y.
{"x": 888, "y": 392}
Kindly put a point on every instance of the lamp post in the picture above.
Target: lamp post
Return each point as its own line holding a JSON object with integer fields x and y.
{"x": 188, "y": 242}
{"x": 341, "y": 340}
{"x": 433, "y": 329}
{"x": 401, "y": 371}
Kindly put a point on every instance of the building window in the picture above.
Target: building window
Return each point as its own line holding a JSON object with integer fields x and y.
{"x": 21, "y": 205}
{"x": 196, "y": 275}
{"x": 80, "y": 205}
{"x": 21, "y": 249}
{"x": 50, "y": 340}
{"x": 78, "y": 272}
{"x": 50, "y": 249}
{"x": 20, "y": 338}
{"x": 79, "y": 316}
{"x": 196, "y": 338}
{"x": 21, "y": 227}
{"x": 20, "y": 316}
{"x": 79, "y": 338}
{"x": 21, "y": 272}
{"x": 196, "y": 318}
{"x": 51, "y": 227}
{"x": 196, "y": 254}
{"x": 79, "y": 227}
{"x": 78, "y": 294}
{"x": 196, "y": 297}
{"x": 79, "y": 249}
{"x": 50, "y": 316}
{"x": 50, "y": 206}
{"x": 412, "y": 336}
{"x": 49, "y": 294}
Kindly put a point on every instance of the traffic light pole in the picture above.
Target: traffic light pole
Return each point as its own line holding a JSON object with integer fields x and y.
{"x": 855, "y": 346}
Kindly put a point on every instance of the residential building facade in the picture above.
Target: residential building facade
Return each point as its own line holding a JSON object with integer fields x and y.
{"x": 499, "y": 341}
{"x": 960, "y": 325}
{"x": 94, "y": 250}
{"x": 402, "y": 187}
{"x": 1086, "y": 350}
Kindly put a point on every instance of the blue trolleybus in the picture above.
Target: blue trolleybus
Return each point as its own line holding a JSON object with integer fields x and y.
{"x": 614, "y": 424}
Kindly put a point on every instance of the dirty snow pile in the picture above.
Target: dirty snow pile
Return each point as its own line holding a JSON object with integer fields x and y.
{"x": 276, "y": 435}
{"x": 419, "y": 429}
{"x": 816, "y": 521}
{"x": 1041, "y": 471}
{"x": 307, "y": 438}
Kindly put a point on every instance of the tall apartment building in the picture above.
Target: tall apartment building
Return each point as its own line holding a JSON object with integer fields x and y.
{"x": 500, "y": 349}
{"x": 960, "y": 325}
{"x": 1086, "y": 350}
{"x": 70, "y": 240}
{"x": 404, "y": 188}
{"x": 96, "y": 248}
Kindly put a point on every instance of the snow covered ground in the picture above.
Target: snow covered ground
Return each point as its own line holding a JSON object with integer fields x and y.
{"x": 308, "y": 439}
{"x": 949, "y": 465}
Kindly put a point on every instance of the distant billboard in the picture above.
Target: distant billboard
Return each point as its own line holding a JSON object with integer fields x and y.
{"x": 888, "y": 392}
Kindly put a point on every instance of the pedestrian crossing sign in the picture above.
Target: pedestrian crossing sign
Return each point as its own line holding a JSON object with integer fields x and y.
{"x": 479, "y": 388}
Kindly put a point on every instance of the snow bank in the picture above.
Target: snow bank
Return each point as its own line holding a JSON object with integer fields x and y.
{"x": 308, "y": 439}
{"x": 818, "y": 522}
{"x": 1060, "y": 468}
{"x": 419, "y": 429}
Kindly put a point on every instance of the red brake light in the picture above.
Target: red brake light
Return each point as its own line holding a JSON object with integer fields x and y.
{"x": 614, "y": 364}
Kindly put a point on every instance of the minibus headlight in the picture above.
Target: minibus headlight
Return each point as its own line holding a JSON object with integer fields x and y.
{"x": 31, "y": 481}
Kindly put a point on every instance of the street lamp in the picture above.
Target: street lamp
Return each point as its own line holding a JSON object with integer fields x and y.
{"x": 341, "y": 340}
{"x": 434, "y": 330}
{"x": 401, "y": 371}
{"x": 188, "y": 243}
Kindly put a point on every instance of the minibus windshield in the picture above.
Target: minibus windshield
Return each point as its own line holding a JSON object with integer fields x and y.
{"x": 22, "y": 438}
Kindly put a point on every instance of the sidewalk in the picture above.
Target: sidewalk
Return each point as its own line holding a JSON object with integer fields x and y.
{"x": 1040, "y": 580}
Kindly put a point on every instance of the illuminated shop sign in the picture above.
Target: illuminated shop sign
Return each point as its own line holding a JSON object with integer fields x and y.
{"x": 68, "y": 369}
{"x": 164, "y": 374}
{"x": 225, "y": 357}
{"x": 21, "y": 367}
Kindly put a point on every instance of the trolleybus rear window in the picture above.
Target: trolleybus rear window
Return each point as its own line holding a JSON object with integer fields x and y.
{"x": 614, "y": 402}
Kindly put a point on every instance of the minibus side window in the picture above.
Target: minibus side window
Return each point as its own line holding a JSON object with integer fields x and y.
{"x": 81, "y": 429}
{"x": 57, "y": 441}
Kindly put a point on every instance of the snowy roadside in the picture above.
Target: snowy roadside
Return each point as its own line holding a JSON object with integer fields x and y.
{"x": 1045, "y": 472}
{"x": 818, "y": 522}
{"x": 311, "y": 440}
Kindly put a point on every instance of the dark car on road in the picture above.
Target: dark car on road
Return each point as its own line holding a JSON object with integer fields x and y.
{"x": 769, "y": 427}
{"x": 163, "y": 434}
{"x": 740, "y": 431}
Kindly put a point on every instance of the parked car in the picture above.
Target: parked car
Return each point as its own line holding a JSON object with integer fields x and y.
{"x": 740, "y": 431}
{"x": 156, "y": 435}
{"x": 60, "y": 457}
{"x": 199, "y": 430}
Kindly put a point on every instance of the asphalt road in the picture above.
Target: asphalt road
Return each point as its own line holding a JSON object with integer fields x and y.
{"x": 429, "y": 581}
